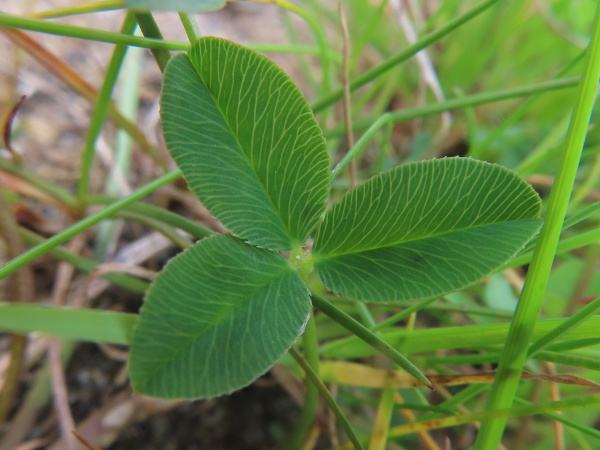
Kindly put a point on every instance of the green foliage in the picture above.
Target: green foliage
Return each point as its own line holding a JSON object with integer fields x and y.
{"x": 227, "y": 308}
{"x": 224, "y": 311}
{"x": 230, "y": 114}
{"x": 433, "y": 227}
{"x": 236, "y": 310}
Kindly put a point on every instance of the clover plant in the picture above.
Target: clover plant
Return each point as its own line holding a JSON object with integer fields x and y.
{"x": 225, "y": 310}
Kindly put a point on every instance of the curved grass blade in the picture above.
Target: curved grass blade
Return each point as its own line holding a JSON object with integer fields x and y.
{"x": 218, "y": 316}
{"x": 373, "y": 340}
{"x": 246, "y": 142}
{"x": 425, "y": 229}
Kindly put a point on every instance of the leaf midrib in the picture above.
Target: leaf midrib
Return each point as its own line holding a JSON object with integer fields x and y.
{"x": 245, "y": 156}
{"x": 224, "y": 313}
{"x": 320, "y": 257}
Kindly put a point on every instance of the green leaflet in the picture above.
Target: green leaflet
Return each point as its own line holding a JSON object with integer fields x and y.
{"x": 219, "y": 315}
{"x": 424, "y": 229}
{"x": 192, "y": 6}
{"x": 246, "y": 142}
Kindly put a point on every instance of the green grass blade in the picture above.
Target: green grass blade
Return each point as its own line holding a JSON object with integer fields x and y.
{"x": 573, "y": 321}
{"x": 457, "y": 337}
{"x": 339, "y": 414}
{"x": 150, "y": 29}
{"x": 84, "y": 224}
{"x": 43, "y": 26}
{"x": 101, "y": 109}
{"x": 88, "y": 265}
{"x": 68, "y": 323}
{"x": 363, "y": 333}
{"x": 467, "y": 101}
{"x": 507, "y": 379}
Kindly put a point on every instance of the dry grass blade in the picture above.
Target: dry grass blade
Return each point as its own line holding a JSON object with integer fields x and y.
{"x": 19, "y": 289}
{"x": 356, "y": 374}
{"x": 8, "y": 127}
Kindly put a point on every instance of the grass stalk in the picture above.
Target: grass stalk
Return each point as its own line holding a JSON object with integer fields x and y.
{"x": 339, "y": 414}
{"x": 59, "y": 29}
{"x": 467, "y": 101}
{"x": 363, "y": 333}
{"x": 84, "y": 224}
{"x": 101, "y": 110}
{"x": 517, "y": 342}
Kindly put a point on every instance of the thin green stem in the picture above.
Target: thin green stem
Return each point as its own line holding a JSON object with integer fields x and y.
{"x": 562, "y": 419}
{"x": 84, "y": 224}
{"x": 363, "y": 333}
{"x": 87, "y": 265}
{"x": 404, "y": 314}
{"x": 507, "y": 378}
{"x": 462, "y": 337}
{"x": 339, "y": 414}
{"x": 565, "y": 245}
{"x": 150, "y": 29}
{"x": 360, "y": 144}
{"x": 158, "y": 214}
{"x": 69, "y": 323}
{"x": 101, "y": 110}
{"x": 57, "y": 192}
{"x": 426, "y": 41}
{"x": 128, "y": 103}
{"x": 167, "y": 231}
{"x": 191, "y": 27}
{"x": 310, "y": 347}
{"x": 587, "y": 311}
{"x": 466, "y": 102}
{"x": 59, "y": 29}
{"x": 476, "y": 150}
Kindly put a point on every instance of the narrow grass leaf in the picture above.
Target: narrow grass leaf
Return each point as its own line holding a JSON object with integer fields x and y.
{"x": 219, "y": 315}
{"x": 370, "y": 338}
{"x": 246, "y": 142}
{"x": 424, "y": 229}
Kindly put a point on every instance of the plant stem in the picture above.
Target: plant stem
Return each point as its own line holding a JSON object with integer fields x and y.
{"x": 43, "y": 26}
{"x": 360, "y": 144}
{"x": 339, "y": 414}
{"x": 466, "y": 101}
{"x": 515, "y": 353}
{"x": 361, "y": 332}
{"x": 84, "y": 224}
{"x": 87, "y": 265}
{"x": 150, "y": 29}
{"x": 191, "y": 27}
{"x": 311, "y": 397}
{"x": 158, "y": 214}
{"x": 570, "y": 323}
{"x": 101, "y": 110}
